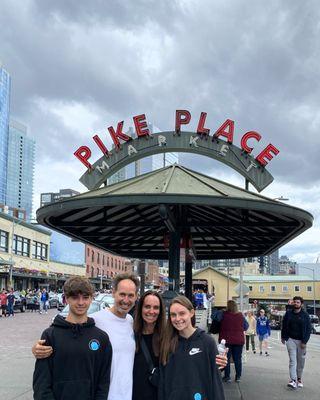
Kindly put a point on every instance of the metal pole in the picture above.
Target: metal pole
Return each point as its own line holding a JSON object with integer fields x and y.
{"x": 101, "y": 285}
{"x": 188, "y": 274}
{"x": 314, "y": 293}
{"x": 241, "y": 287}
{"x": 228, "y": 283}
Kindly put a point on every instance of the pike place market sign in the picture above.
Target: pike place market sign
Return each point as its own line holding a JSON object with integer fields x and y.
{"x": 218, "y": 146}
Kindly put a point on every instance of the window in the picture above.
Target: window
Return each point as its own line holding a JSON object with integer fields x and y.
{"x": 261, "y": 289}
{"x": 88, "y": 252}
{"x": 87, "y": 268}
{"x": 92, "y": 255}
{"x": 272, "y": 288}
{"x": 297, "y": 288}
{"x": 21, "y": 246}
{"x": 103, "y": 260}
{"x": 285, "y": 289}
{"x": 4, "y": 241}
{"x": 250, "y": 288}
{"x": 98, "y": 257}
{"x": 309, "y": 288}
{"x": 40, "y": 251}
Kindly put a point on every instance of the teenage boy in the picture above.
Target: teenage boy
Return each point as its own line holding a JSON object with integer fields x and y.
{"x": 295, "y": 333}
{"x": 79, "y": 366}
{"x": 118, "y": 324}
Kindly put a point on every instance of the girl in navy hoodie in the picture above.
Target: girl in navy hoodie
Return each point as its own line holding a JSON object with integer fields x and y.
{"x": 188, "y": 368}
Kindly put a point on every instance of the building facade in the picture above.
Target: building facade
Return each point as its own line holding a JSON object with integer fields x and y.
{"x": 25, "y": 257}
{"x": 5, "y": 87}
{"x": 20, "y": 172}
{"x": 102, "y": 266}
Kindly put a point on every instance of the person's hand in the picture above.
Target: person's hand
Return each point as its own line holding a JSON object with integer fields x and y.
{"x": 222, "y": 360}
{"x": 39, "y": 350}
{"x": 303, "y": 345}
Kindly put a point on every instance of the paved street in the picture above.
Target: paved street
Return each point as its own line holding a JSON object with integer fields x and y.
{"x": 263, "y": 378}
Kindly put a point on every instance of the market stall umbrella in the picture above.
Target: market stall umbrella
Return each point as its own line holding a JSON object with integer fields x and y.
{"x": 141, "y": 217}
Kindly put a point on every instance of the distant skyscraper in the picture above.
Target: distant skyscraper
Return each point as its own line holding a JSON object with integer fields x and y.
{"x": 47, "y": 198}
{"x": 20, "y": 172}
{"x": 5, "y": 86}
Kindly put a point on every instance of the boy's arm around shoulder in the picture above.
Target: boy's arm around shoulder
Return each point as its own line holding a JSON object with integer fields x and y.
{"x": 104, "y": 366}
{"x": 42, "y": 375}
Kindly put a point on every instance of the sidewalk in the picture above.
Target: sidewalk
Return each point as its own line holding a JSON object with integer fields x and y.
{"x": 266, "y": 378}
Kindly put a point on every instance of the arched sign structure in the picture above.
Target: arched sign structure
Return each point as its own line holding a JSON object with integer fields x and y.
{"x": 189, "y": 142}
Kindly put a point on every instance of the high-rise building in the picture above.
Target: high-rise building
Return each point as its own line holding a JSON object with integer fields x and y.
{"x": 20, "y": 168}
{"x": 5, "y": 86}
{"x": 47, "y": 198}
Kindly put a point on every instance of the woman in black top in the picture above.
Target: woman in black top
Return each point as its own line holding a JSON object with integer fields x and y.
{"x": 149, "y": 323}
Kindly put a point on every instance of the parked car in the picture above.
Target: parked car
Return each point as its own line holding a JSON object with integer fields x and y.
{"x": 95, "y": 306}
{"x": 275, "y": 324}
{"x": 105, "y": 297}
{"x": 20, "y": 302}
{"x": 315, "y": 328}
{"x": 53, "y": 300}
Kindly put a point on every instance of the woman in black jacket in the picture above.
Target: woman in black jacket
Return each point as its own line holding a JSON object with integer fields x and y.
{"x": 149, "y": 324}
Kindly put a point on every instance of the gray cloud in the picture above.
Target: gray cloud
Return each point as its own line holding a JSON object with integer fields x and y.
{"x": 251, "y": 61}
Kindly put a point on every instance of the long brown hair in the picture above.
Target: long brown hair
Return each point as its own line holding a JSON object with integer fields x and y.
{"x": 159, "y": 327}
{"x": 171, "y": 335}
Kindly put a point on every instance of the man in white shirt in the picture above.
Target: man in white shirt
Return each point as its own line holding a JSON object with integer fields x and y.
{"x": 117, "y": 323}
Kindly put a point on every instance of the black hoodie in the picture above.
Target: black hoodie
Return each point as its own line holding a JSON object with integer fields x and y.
{"x": 79, "y": 368}
{"x": 191, "y": 372}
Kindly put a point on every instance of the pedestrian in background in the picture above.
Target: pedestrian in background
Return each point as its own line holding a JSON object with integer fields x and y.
{"x": 3, "y": 302}
{"x": 10, "y": 301}
{"x": 251, "y": 331}
{"x": 232, "y": 328}
{"x": 148, "y": 326}
{"x": 295, "y": 333}
{"x": 44, "y": 300}
{"x": 188, "y": 368}
{"x": 263, "y": 332}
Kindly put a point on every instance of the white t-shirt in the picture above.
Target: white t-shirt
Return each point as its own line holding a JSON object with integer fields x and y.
{"x": 123, "y": 350}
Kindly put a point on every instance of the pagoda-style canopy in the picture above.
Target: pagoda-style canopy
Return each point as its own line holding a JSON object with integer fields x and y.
{"x": 135, "y": 218}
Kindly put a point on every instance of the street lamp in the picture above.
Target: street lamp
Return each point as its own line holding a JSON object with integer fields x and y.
{"x": 314, "y": 289}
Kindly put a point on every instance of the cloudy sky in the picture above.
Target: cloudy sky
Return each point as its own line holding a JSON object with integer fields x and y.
{"x": 78, "y": 67}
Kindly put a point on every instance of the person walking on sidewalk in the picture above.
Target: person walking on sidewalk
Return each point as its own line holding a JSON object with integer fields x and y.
{"x": 263, "y": 331}
{"x": 232, "y": 328}
{"x": 11, "y": 300}
{"x": 3, "y": 303}
{"x": 251, "y": 331}
{"x": 295, "y": 333}
{"x": 44, "y": 300}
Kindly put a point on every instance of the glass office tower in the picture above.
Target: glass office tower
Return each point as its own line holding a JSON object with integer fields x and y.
{"x": 20, "y": 172}
{"x": 5, "y": 86}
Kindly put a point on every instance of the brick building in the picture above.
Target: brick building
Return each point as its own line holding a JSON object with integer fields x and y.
{"x": 100, "y": 262}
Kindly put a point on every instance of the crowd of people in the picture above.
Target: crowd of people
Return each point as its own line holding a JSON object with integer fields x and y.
{"x": 113, "y": 356}
{"x": 239, "y": 330}
{"x": 33, "y": 300}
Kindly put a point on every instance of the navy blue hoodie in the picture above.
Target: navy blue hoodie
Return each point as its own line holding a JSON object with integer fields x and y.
{"x": 191, "y": 372}
{"x": 79, "y": 368}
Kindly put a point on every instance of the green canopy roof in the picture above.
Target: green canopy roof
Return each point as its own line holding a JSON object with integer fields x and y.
{"x": 133, "y": 218}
